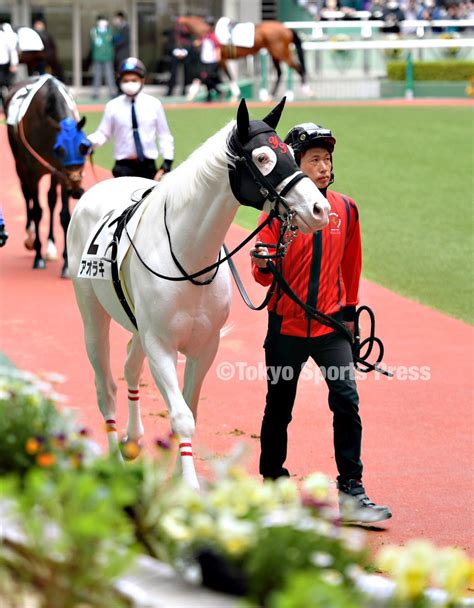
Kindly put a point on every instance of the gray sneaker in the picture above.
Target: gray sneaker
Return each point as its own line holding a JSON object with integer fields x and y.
{"x": 356, "y": 507}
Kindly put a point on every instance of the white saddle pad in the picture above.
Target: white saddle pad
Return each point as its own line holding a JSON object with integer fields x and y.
{"x": 95, "y": 260}
{"x": 238, "y": 34}
{"x": 21, "y": 100}
{"x": 243, "y": 34}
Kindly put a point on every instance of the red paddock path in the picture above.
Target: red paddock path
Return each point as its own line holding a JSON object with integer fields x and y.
{"x": 417, "y": 433}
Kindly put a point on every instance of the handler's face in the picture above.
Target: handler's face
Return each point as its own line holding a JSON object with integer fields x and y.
{"x": 316, "y": 163}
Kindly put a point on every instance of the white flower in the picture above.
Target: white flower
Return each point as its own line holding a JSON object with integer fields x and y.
{"x": 317, "y": 486}
{"x": 322, "y": 559}
{"x": 235, "y": 535}
{"x": 175, "y": 527}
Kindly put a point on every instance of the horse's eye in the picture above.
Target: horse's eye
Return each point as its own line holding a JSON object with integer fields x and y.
{"x": 261, "y": 158}
{"x": 60, "y": 152}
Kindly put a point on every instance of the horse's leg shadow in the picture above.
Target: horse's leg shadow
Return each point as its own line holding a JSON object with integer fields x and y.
{"x": 133, "y": 372}
{"x": 51, "y": 251}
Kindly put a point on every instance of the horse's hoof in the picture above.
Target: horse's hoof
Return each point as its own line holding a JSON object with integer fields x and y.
{"x": 130, "y": 449}
{"x": 65, "y": 273}
{"x": 51, "y": 251}
{"x": 39, "y": 264}
{"x": 30, "y": 241}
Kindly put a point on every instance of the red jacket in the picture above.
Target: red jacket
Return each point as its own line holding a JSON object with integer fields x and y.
{"x": 323, "y": 269}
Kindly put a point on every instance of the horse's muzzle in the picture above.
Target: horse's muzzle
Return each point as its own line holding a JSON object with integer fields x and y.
{"x": 321, "y": 214}
{"x": 76, "y": 193}
{"x": 73, "y": 182}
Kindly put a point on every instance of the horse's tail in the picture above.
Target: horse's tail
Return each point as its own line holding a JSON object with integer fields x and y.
{"x": 300, "y": 53}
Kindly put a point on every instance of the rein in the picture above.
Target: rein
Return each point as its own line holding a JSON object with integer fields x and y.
{"x": 38, "y": 157}
{"x": 360, "y": 359}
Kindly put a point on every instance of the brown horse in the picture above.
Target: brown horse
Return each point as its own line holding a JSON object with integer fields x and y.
{"x": 46, "y": 138}
{"x": 270, "y": 35}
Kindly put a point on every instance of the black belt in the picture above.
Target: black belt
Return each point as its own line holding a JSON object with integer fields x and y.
{"x": 134, "y": 161}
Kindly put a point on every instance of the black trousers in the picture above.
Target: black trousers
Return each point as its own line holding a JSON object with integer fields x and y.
{"x": 135, "y": 168}
{"x": 175, "y": 63}
{"x": 210, "y": 77}
{"x": 285, "y": 355}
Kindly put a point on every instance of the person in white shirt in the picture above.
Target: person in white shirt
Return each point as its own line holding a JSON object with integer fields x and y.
{"x": 135, "y": 120}
{"x": 8, "y": 57}
{"x": 210, "y": 58}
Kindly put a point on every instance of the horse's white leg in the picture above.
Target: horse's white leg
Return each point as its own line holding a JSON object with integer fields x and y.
{"x": 96, "y": 335}
{"x": 133, "y": 372}
{"x": 195, "y": 372}
{"x": 163, "y": 368}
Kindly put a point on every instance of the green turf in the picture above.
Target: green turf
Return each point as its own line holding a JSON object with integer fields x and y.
{"x": 410, "y": 171}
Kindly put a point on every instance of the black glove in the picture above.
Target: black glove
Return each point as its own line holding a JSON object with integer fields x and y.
{"x": 166, "y": 166}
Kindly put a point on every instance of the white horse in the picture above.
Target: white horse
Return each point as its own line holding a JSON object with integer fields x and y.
{"x": 245, "y": 161}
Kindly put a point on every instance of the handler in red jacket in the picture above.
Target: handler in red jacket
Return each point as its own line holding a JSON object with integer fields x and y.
{"x": 323, "y": 269}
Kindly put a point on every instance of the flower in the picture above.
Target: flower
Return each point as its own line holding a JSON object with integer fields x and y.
{"x": 45, "y": 460}
{"x": 32, "y": 446}
{"x": 235, "y": 535}
{"x": 453, "y": 572}
{"x": 174, "y": 525}
{"x": 317, "y": 486}
{"x": 410, "y": 567}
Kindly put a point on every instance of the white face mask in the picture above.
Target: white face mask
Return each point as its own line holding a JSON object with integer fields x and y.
{"x": 102, "y": 24}
{"x": 130, "y": 88}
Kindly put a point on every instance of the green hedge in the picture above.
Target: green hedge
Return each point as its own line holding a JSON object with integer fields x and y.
{"x": 432, "y": 70}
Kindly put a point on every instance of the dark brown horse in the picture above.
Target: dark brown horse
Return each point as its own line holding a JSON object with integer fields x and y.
{"x": 46, "y": 138}
{"x": 270, "y": 35}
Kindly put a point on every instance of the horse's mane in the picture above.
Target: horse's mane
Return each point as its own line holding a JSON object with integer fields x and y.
{"x": 208, "y": 163}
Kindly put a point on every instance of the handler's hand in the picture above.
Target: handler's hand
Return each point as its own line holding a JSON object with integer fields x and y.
{"x": 259, "y": 248}
{"x": 159, "y": 175}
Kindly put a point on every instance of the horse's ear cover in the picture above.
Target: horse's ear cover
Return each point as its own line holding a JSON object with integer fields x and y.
{"x": 272, "y": 119}
{"x": 243, "y": 121}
